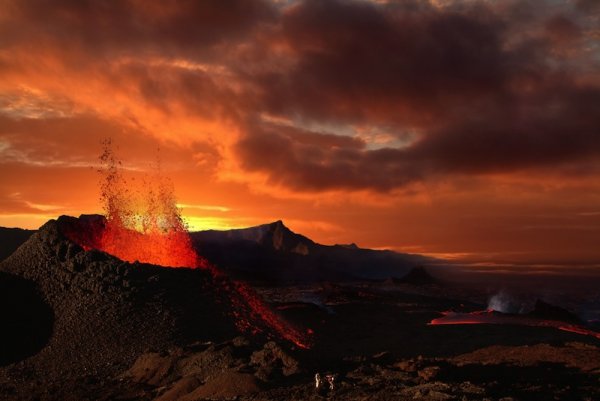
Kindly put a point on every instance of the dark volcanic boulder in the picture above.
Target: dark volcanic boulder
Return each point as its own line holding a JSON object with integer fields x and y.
{"x": 97, "y": 313}
{"x": 543, "y": 310}
{"x": 416, "y": 276}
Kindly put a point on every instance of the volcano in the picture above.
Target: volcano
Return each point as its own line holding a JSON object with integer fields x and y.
{"x": 104, "y": 312}
{"x": 92, "y": 313}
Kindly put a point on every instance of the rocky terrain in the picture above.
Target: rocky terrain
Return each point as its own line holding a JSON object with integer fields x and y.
{"x": 83, "y": 325}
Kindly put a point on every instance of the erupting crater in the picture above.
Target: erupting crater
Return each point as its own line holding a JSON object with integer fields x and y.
{"x": 147, "y": 227}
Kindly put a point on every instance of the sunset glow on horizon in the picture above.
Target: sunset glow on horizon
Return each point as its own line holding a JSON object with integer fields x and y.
{"x": 467, "y": 130}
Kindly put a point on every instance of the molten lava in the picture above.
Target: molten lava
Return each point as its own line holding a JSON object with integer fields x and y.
{"x": 145, "y": 226}
{"x": 148, "y": 228}
{"x": 493, "y": 317}
{"x": 170, "y": 249}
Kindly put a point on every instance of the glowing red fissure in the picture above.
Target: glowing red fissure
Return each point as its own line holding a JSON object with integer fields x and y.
{"x": 174, "y": 249}
{"x": 492, "y": 317}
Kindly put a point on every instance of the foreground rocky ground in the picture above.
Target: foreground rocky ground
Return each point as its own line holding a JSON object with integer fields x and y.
{"x": 240, "y": 370}
{"x": 493, "y": 373}
{"x": 237, "y": 370}
{"x": 83, "y": 325}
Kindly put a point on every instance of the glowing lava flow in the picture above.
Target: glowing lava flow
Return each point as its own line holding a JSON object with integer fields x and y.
{"x": 149, "y": 229}
{"x": 492, "y": 317}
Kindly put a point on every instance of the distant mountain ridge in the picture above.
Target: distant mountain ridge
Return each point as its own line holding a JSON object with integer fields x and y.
{"x": 272, "y": 253}
{"x": 275, "y": 236}
{"x": 11, "y": 239}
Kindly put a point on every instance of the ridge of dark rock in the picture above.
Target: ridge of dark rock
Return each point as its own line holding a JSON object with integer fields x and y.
{"x": 544, "y": 310}
{"x": 272, "y": 253}
{"x": 416, "y": 276}
{"x": 275, "y": 235}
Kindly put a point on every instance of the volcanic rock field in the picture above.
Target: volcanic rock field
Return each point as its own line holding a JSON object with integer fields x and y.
{"x": 81, "y": 324}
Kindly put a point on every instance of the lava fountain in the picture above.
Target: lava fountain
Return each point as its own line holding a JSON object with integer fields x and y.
{"x": 146, "y": 226}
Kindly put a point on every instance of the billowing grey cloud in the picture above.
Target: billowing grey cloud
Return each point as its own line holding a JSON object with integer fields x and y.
{"x": 482, "y": 87}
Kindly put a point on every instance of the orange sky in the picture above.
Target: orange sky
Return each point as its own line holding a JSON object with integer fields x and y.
{"x": 462, "y": 129}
